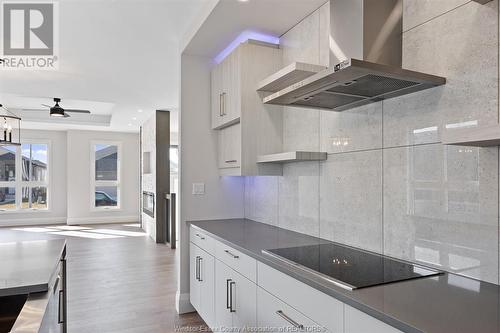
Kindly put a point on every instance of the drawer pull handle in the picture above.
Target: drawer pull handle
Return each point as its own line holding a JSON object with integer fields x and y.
{"x": 200, "y": 237}
{"x": 290, "y": 320}
{"x": 232, "y": 255}
{"x": 231, "y": 308}
{"x": 231, "y": 161}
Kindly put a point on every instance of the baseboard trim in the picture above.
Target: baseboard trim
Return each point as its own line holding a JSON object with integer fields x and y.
{"x": 102, "y": 220}
{"x": 182, "y": 303}
{"x": 34, "y": 221}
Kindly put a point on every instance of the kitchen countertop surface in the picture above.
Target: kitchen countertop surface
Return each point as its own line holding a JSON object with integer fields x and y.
{"x": 27, "y": 267}
{"x": 440, "y": 304}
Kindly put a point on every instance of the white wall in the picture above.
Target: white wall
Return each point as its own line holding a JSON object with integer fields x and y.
{"x": 78, "y": 189}
{"x": 198, "y": 163}
{"x": 149, "y": 179}
{"x": 57, "y": 180}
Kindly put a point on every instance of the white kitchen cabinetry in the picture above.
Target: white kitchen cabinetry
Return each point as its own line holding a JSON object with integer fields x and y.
{"x": 194, "y": 285}
{"x": 202, "y": 293}
{"x": 230, "y": 289}
{"x": 246, "y": 127}
{"x": 235, "y": 299}
{"x": 230, "y": 147}
{"x": 274, "y": 315}
{"x": 359, "y": 322}
{"x": 322, "y": 308}
{"x": 226, "y": 92}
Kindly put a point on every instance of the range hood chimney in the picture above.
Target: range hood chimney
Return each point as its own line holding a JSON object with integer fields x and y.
{"x": 369, "y": 30}
{"x": 365, "y": 60}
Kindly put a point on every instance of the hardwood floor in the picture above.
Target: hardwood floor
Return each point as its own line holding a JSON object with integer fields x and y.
{"x": 123, "y": 282}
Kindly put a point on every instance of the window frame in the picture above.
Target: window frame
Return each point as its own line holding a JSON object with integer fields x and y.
{"x": 94, "y": 183}
{"x": 19, "y": 183}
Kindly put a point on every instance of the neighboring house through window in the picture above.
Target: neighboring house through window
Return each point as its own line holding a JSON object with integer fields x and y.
{"x": 105, "y": 175}
{"x": 24, "y": 178}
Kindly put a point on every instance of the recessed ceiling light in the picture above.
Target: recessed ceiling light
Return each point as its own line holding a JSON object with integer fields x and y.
{"x": 140, "y": 110}
{"x": 243, "y": 0}
{"x": 130, "y": 124}
{"x": 134, "y": 118}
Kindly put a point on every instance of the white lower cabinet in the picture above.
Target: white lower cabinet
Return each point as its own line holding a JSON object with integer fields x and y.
{"x": 235, "y": 299}
{"x": 274, "y": 315}
{"x": 232, "y": 291}
{"x": 202, "y": 293}
{"x": 359, "y": 322}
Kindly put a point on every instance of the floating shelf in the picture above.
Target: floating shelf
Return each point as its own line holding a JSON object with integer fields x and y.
{"x": 289, "y": 75}
{"x": 486, "y": 136}
{"x": 292, "y": 156}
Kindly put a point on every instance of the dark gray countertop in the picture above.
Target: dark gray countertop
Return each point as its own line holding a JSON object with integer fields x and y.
{"x": 27, "y": 267}
{"x": 443, "y": 304}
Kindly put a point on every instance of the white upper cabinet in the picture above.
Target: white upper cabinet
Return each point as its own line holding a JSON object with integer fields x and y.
{"x": 247, "y": 128}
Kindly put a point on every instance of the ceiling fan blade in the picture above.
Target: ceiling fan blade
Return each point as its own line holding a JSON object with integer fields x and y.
{"x": 47, "y": 106}
{"x": 76, "y": 111}
{"x": 66, "y": 115}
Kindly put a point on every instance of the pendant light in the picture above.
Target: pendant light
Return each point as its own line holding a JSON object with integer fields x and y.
{"x": 10, "y": 128}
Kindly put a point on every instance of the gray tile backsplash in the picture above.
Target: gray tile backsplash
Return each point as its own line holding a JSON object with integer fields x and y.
{"x": 441, "y": 207}
{"x": 298, "y": 192}
{"x": 461, "y": 45}
{"x": 351, "y": 199}
{"x": 389, "y": 185}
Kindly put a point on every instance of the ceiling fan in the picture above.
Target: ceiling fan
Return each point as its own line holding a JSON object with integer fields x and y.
{"x": 58, "y": 111}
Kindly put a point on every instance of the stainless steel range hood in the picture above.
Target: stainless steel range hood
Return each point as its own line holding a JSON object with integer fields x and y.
{"x": 365, "y": 60}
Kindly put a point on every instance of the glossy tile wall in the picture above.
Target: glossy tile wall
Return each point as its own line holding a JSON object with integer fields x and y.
{"x": 388, "y": 184}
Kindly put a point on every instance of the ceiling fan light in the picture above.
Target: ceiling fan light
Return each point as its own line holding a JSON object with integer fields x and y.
{"x": 56, "y": 112}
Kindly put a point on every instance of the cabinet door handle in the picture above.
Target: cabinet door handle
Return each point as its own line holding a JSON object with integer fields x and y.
{"x": 224, "y": 104}
{"x": 200, "y": 271}
{"x": 231, "y": 305}
{"x": 197, "y": 270}
{"x": 231, "y": 161}
{"x": 220, "y": 105}
{"x": 232, "y": 255}
{"x": 289, "y": 320}
{"x": 200, "y": 237}
{"x": 227, "y": 294}
{"x": 56, "y": 283}
{"x": 60, "y": 311}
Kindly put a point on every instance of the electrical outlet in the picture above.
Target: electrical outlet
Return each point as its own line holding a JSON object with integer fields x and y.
{"x": 198, "y": 188}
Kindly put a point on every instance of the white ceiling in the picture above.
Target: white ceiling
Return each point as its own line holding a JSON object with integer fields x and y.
{"x": 116, "y": 57}
{"x": 229, "y": 18}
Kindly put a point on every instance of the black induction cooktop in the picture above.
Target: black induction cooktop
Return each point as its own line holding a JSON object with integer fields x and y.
{"x": 348, "y": 267}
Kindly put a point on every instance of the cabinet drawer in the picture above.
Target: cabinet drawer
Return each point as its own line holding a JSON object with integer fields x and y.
{"x": 320, "y": 307}
{"x": 240, "y": 262}
{"x": 274, "y": 315}
{"x": 202, "y": 240}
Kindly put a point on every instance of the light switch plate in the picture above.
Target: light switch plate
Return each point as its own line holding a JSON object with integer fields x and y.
{"x": 198, "y": 188}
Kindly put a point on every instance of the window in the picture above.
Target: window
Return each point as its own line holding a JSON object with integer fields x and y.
{"x": 34, "y": 171}
{"x": 24, "y": 180}
{"x": 7, "y": 177}
{"x": 106, "y": 175}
